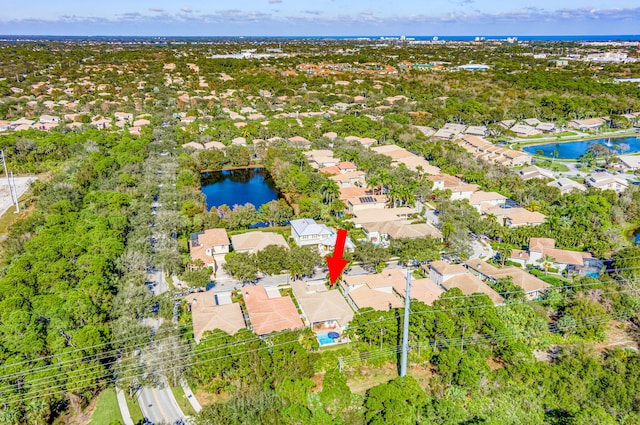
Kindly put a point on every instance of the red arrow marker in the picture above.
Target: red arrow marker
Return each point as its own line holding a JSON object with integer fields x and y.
{"x": 336, "y": 263}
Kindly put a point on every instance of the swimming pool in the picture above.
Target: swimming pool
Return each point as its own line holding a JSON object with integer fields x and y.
{"x": 324, "y": 339}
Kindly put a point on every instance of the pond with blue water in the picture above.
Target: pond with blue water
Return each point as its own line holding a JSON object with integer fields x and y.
{"x": 238, "y": 187}
{"x": 573, "y": 150}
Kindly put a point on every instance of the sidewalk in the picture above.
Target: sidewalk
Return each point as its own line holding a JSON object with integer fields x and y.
{"x": 124, "y": 409}
{"x": 192, "y": 398}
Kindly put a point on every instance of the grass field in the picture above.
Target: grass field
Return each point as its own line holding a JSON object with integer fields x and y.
{"x": 182, "y": 401}
{"x": 134, "y": 410}
{"x": 107, "y": 409}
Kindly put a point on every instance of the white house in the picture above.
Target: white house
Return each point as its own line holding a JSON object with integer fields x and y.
{"x": 306, "y": 231}
{"x": 607, "y": 181}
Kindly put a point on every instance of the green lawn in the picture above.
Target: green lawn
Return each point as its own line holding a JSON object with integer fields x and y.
{"x": 107, "y": 409}
{"x": 134, "y": 410}
{"x": 182, "y": 401}
{"x": 552, "y": 166}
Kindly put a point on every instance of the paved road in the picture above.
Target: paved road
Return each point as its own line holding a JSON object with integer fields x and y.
{"x": 22, "y": 184}
{"x": 159, "y": 405}
{"x": 160, "y": 285}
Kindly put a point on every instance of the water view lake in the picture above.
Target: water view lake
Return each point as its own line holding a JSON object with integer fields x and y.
{"x": 573, "y": 150}
{"x": 231, "y": 187}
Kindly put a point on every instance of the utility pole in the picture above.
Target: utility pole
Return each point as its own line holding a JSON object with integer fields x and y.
{"x": 405, "y": 330}
{"x": 14, "y": 199}
{"x": 15, "y": 191}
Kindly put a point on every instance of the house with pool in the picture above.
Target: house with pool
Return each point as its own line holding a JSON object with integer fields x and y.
{"x": 324, "y": 310}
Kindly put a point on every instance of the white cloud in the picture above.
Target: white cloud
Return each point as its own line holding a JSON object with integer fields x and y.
{"x": 156, "y": 9}
{"x": 186, "y": 9}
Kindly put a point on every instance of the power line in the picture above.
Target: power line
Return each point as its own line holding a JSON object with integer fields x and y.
{"x": 223, "y": 347}
{"x": 110, "y": 354}
{"x": 389, "y": 350}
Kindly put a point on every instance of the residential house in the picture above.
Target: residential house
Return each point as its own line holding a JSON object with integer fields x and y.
{"x": 481, "y": 198}
{"x": 535, "y": 172}
{"x": 210, "y": 247}
{"x": 607, "y": 181}
{"x": 214, "y": 145}
{"x": 518, "y": 217}
{"x": 567, "y": 185}
{"x": 629, "y": 162}
{"x": 383, "y": 232}
{"x": 325, "y": 310}
{"x": 547, "y": 127}
{"x": 506, "y": 124}
{"x": 360, "y": 203}
{"x": 459, "y": 189}
{"x": 193, "y": 145}
{"x": 300, "y": 142}
{"x": 321, "y": 158}
{"x": 450, "y": 131}
{"x": 269, "y": 311}
{"x": 542, "y": 253}
{"x": 510, "y": 216}
{"x": 589, "y": 124}
{"x": 306, "y": 231}
{"x": 477, "y": 130}
{"x": 351, "y": 178}
{"x": 524, "y": 130}
{"x": 211, "y": 311}
{"x": 487, "y": 151}
{"x": 412, "y": 161}
{"x": 373, "y": 290}
{"x": 532, "y": 286}
{"x": 450, "y": 276}
{"x": 123, "y": 116}
{"x": 353, "y": 192}
{"x": 49, "y": 119}
{"x": 383, "y": 215}
{"x": 252, "y": 242}
{"x": 101, "y": 123}
{"x": 444, "y": 181}
{"x": 424, "y": 290}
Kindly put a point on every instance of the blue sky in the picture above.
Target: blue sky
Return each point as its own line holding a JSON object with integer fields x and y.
{"x": 320, "y": 17}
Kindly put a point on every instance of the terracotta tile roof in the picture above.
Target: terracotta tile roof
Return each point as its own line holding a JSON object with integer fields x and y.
{"x": 323, "y": 305}
{"x": 528, "y": 283}
{"x": 364, "y": 296}
{"x": 352, "y": 192}
{"x": 257, "y": 241}
{"x": 470, "y": 284}
{"x": 334, "y": 170}
{"x": 424, "y": 290}
{"x": 404, "y": 229}
{"x": 270, "y": 314}
{"x": 539, "y": 244}
{"x": 214, "y": 237}
{"x": 566, "y": 257}
{"x": 207, "y": 315}
{"x": 443, "y": 268}
{"x": 522, "y": 216}
{"x": 519, "y": 253}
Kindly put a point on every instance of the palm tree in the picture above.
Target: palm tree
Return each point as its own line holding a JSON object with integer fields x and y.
{"x": 37, "y": 411}
{"x": 9, "y": 415}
